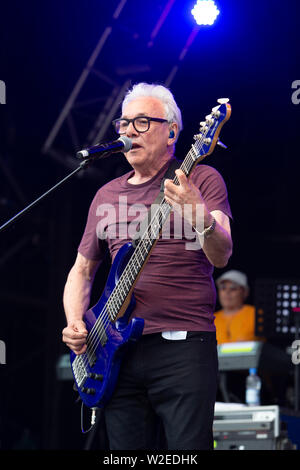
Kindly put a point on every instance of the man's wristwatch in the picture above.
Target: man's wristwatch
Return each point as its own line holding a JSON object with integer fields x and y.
{"x": 208, "y": 230}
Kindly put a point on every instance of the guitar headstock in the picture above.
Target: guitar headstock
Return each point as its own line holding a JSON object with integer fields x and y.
{"x": 210, "y": 129}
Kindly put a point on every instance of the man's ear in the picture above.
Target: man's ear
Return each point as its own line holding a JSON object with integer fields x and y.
{"x": 173, "y": 132}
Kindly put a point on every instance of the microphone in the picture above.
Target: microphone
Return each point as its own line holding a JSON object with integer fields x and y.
{"x": 123, "y": 144}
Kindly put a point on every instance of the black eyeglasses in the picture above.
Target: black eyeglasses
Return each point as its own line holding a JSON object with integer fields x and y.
{"x": 140, "y": 123}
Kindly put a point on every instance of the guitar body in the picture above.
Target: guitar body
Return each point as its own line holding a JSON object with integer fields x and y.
{"x": 102, "y": 374}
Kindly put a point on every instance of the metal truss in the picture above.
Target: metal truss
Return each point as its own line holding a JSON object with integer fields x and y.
{"x": 106, "y": 95}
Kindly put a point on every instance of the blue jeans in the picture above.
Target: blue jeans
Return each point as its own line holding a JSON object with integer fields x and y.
{"x": 173, "y": 380}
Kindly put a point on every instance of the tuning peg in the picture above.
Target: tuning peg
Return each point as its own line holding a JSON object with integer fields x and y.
{"x": 215, "y": 112}
{"x": 223, "y": 100}
{"x": 203, "y": 127}
{"x": 209, "y": 120}
{"x": 221, "y": 144}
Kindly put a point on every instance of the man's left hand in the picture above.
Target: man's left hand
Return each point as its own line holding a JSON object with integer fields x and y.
{"x": 186, "y": 198}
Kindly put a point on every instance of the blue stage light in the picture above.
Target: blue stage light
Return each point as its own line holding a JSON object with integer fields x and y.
{"x": 205, "y": 12}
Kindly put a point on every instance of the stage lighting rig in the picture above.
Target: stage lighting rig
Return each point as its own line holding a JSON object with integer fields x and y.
{"x": 205, "y": 12}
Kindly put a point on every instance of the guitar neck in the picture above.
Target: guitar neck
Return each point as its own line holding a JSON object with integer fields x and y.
{"x": 204, "y": 145}
{"x": 144, "y": 246}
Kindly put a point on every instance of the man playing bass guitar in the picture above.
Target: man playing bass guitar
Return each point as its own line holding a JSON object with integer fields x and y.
{"x": 171, "y": 370}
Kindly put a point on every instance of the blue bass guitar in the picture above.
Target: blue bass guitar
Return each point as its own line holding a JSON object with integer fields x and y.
{"x": 110, "y": 330}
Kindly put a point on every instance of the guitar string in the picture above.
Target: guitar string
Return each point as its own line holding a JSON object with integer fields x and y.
{"x": 94, "y": 334}
{"x": 93, "y": 338}
{"x": 120, "y": 290}
{"x": 162, "y": 212}
{"x": 93, "y": 344}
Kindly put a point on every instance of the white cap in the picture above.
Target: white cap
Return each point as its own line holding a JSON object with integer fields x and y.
{"x": 235, "y": 276}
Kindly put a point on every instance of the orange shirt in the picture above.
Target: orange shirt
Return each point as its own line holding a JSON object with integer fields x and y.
{"x": 239, "y": 326}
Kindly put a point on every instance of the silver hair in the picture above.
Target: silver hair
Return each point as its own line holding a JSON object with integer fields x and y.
{"x": 172, "y": 112}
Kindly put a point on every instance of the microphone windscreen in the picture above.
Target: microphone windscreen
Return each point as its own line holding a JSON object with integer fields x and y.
{"x": 127, "y": 143}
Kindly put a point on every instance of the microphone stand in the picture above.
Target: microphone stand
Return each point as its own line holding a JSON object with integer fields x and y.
{"x": 84, "y": 164}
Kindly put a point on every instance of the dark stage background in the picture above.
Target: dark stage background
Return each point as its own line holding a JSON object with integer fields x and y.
{"x": 251, "y": 55}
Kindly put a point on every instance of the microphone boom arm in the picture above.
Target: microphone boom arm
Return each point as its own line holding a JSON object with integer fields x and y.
{"x": 82, "y": 165}
{"x": 89, "y": 155}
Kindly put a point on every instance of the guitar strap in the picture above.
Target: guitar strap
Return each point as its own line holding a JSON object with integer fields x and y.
{"x": 169, "y": 174}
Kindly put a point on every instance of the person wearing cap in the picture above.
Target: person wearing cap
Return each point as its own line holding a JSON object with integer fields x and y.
{"x": 171, "y": 371}
{"x": 236, "y": 320}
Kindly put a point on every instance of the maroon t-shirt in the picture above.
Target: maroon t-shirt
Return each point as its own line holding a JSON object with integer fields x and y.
{"x": 175, "y": 290}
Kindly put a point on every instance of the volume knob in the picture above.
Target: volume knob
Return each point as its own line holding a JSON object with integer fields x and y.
{"x": 88, "y": 391}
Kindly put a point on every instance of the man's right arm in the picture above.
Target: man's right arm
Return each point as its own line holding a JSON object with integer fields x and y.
{"x": 76, "y": 301}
